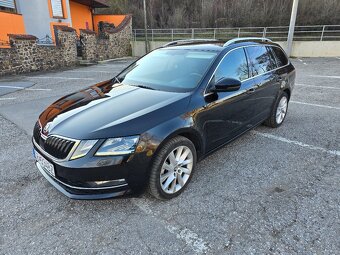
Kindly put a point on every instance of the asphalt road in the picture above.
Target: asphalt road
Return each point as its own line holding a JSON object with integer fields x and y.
{"x": 272, "y": 191}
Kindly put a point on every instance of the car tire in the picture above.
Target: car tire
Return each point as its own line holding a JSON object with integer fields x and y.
{"x": 168, "y": 165}
{"x": 279, "y": 111}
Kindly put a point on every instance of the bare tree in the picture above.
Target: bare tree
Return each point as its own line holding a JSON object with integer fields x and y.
{"x": 226, "y": 13}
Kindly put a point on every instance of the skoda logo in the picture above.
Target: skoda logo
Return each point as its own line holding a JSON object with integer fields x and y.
{"x": 47, "y": 128}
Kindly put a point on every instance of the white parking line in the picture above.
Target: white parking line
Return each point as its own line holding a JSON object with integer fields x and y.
{"x": 308, "y": 146}
{"x": 315, "y": 86}
{"x": 23, "y": 88}
{"x": 7, "y": 98}
{"x": 325, "y": 76}
{"x": 317, "y": 105}
{"x": 338, "y": 58}
{"x": 92, "y": 71}
{"x": 58, "y": 77}
{"x": 198, "y": 245}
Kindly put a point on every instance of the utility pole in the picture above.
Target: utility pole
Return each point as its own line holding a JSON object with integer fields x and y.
{"x": 292, "y": 27}
{"x": 145, "y": 28}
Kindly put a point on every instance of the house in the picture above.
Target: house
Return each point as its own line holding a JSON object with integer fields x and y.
{"x": 38, "y": 17}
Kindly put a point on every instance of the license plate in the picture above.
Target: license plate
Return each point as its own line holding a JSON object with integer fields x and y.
{"x": 47, "y": 166}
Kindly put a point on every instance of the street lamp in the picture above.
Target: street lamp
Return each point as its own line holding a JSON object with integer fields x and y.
{"x": 292, "y": 27}
{"x": 145, "y": 28}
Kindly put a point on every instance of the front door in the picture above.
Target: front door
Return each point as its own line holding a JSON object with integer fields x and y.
{"x": 228, "y": 114}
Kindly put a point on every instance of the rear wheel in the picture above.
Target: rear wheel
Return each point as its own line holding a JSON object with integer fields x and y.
{"x": 279, "y": 112}
{"x": 172, "y": 168}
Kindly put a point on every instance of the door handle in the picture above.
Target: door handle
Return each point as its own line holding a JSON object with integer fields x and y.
{"x": 251, "y": 90}
{"x": 279, "y": 79}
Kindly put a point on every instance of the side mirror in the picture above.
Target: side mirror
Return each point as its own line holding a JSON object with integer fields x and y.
{"x": 227, "y": 85}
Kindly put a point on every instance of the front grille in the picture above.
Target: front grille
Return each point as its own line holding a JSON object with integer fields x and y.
{"x": 55, "y": 146}
{"x": 58, "y": 147}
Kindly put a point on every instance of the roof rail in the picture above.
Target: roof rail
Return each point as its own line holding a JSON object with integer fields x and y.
{"x": 245, "y": 39}
{"x": 188, "y": 41}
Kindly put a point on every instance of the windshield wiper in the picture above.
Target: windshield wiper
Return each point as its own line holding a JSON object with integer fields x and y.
{"x": 117, "y": 80}
{"x": 141, "y": 86}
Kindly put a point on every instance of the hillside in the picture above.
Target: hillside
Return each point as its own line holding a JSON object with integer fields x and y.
{"x": 227, "y": 13}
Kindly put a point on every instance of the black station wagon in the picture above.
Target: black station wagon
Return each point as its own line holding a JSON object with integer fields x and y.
{"x": 149, "y": 126}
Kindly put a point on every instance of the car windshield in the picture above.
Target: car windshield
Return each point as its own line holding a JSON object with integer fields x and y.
{"x": 178, "y": 70}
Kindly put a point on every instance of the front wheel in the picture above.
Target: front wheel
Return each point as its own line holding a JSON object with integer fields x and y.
{"x": 279, "y": 112}
{"x": 172, "y": 168}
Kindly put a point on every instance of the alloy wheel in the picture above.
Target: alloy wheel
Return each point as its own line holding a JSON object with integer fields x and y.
{"x": 176, "y": 169}
{"x": 281, "y": 110}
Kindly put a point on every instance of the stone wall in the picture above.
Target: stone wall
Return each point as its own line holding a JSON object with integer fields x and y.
{"x": 25, "y": 55}
{"x": 113, "y": 43}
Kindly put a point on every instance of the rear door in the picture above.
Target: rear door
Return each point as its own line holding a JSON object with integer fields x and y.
{"x": 262, "y": 64}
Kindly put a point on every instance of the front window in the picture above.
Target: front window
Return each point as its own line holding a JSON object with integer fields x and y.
{"x": 234, "y": 66}
{"x": 7, "y": 6}
{"x": 57, "y": 8}
{"x": 178, "y": 70}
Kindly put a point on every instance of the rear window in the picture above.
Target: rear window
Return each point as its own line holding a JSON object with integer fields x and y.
{"x": 281, "y": 58}
{"x": 260, "y": 60}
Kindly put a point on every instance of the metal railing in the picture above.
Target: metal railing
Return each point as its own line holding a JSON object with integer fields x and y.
{"x": 46, "y": 41}
{"x": 280, "y": 33}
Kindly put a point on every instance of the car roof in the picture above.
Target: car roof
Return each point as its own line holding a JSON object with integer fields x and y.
{"x": 217, "y": 46}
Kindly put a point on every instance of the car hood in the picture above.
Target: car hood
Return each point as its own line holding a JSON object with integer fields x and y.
{"x": 111, "y": 110}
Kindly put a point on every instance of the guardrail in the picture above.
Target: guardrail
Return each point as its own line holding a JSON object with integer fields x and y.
{"x": 302, "y": 33}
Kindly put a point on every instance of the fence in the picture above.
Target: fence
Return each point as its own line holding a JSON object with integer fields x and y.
{"x": 302, "y": 33}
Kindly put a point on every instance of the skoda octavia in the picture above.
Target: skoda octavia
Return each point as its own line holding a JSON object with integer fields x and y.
{"x": 149, "y": 126}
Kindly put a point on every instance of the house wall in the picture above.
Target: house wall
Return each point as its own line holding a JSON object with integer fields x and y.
{"x": 116, "y": 43}
{"x": 37, "y": 16}
{"x": 11, "y": 23}
{"x": 81, "y": 16}
{"x": 115, "y": 19}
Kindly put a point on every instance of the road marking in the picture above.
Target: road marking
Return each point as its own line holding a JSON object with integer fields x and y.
{"x": 338, "y": 58}
{"x": 23, "y": 88}
{"x": 315, "y": 86}
{"x": 304, "y": 63}
{"x": 317, "y": 105}
{"x": 300, "y": 60}
{"x": 58, "y": 77}
{"x": 308, "y": 146}
{"x": 325, "y": 76}
{"x": 92, "y": 71}
{"x": 8, "y": 98}
{"x": 198, "y": 245}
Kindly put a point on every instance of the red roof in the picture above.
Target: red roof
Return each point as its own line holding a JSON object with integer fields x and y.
{"x": 93, "y": 3}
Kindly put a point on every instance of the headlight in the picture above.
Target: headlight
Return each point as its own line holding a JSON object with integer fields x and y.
{"x": 118, "y": 146}
{"x": 83, "y": 148}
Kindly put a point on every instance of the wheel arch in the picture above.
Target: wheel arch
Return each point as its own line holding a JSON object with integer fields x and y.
{"x": 191, "y": 134}
{"x": 287, "y": 90}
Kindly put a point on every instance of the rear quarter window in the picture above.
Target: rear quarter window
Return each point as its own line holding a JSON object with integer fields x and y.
{"x": 281, "y": 57}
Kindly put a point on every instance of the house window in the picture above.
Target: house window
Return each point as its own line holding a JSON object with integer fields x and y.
{"x": 57, "y": 8}
{"x": 7, "y": 6}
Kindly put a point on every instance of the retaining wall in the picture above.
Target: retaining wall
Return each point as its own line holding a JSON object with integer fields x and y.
{"x": 300, "y": 48}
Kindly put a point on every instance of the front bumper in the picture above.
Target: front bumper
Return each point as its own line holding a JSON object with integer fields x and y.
{"x": 84, "y": 193}
{"x": 97, "y": 177}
